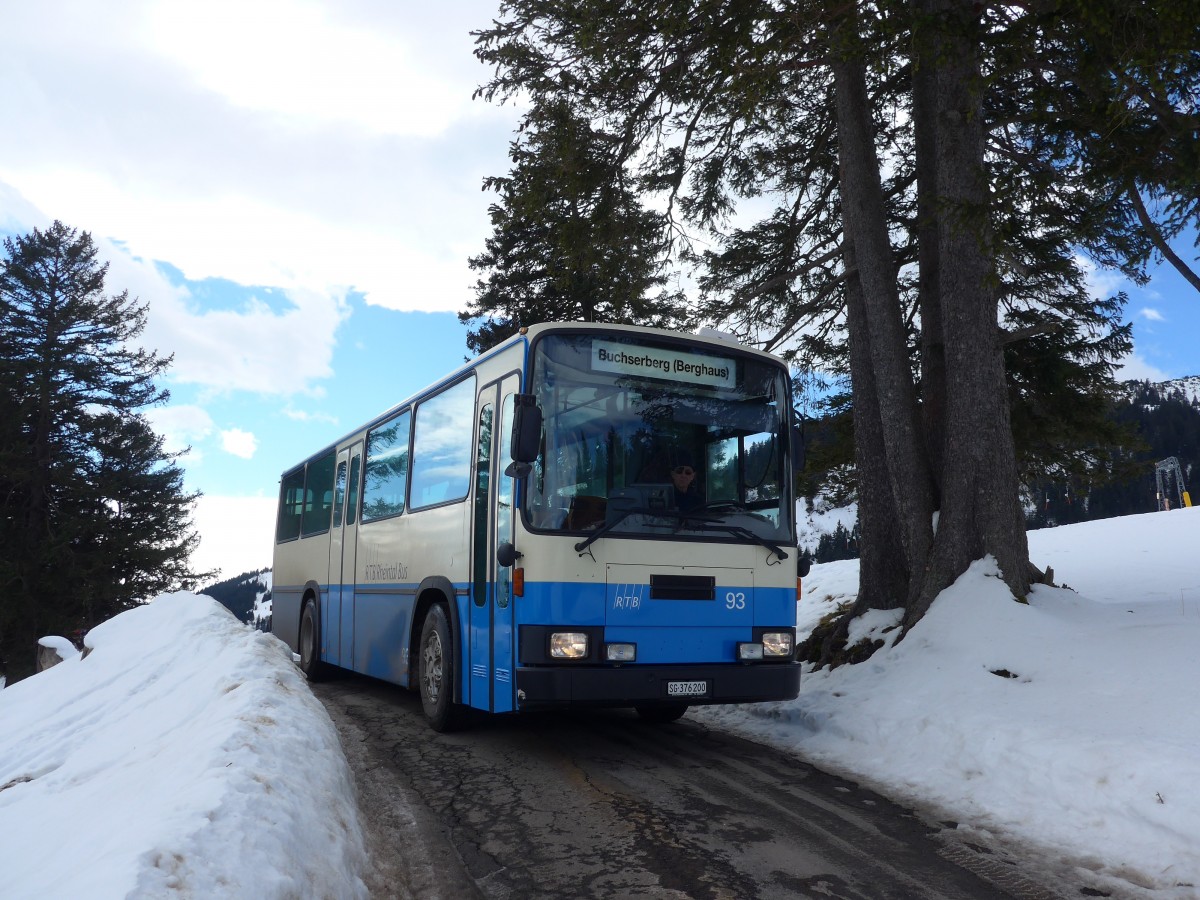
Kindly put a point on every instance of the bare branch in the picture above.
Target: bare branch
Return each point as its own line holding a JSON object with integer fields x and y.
{"x": 1155, "y": 234}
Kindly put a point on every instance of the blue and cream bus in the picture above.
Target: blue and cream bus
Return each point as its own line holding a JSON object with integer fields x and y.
{"x": 586, "y": 515}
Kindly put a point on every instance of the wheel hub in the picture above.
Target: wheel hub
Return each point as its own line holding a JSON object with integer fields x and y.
{"x": 431, "y": 666}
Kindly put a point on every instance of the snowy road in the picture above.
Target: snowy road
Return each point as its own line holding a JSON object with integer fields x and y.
{"x": 602, "y": 805}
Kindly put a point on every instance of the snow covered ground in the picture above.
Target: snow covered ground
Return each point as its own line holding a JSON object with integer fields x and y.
{"x": 1071, "y": 722}
{"x": 185, "y": 755}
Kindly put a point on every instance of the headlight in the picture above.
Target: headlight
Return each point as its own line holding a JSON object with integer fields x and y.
{"x": 568, "y": 644}
{"x": 778, "y": 643}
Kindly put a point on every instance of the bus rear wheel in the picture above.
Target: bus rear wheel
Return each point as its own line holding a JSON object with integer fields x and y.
{"x": 310, "y": 643}
{"x": 669, "y": 712}
{"x": 435, "y": 672}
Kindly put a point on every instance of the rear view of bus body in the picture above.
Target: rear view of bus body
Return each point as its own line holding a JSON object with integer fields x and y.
{"x": 631, "y": 543}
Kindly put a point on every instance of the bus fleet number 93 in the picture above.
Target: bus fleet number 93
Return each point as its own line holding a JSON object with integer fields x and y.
{"x": 733, "y": 600}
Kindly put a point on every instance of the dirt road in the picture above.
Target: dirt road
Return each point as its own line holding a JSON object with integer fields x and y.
{"x": 602, "y": 805}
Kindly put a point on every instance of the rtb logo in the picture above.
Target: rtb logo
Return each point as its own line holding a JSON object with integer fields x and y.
{"x": 629, "y": 596}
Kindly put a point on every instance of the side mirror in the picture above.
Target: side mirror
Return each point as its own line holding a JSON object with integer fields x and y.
{"x": 507, "y": 554}
{"x": 527, "y": 429}
{"x": 803, "y": 566}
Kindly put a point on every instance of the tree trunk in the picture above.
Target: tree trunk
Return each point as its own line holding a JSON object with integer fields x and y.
{"x": 980, "y": 510}
{"x": 883, "y": 572}
{"x": 890, "y": 449}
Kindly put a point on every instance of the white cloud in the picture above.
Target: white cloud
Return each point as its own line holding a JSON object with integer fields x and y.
{"x": 237, "y": 534}
{"x": 301, "y": 415}
{"x": 251, "y": 349}
{"x": 239, "y": 443}
{"x": 308, "y": 146}
{"x": 1151, "y": 315}
{"x": 1134, "y": 367}
{"x": 293, "y": 58}
{"x": 1101, "y": 282}
{"x": 180, "y": 426}
{"x": 17, "y": 214}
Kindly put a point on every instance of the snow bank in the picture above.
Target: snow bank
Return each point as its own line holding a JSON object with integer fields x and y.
{"x": 1069, "y": 721}
{"x": 184, "y": 754}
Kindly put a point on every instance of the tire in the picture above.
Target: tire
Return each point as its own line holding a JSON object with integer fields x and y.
{"x": 310, "y": 643}
{"x": 435, "y": 672}
{"x": 660, "y": 715}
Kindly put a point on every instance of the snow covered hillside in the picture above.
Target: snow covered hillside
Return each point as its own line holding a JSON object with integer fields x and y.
{"x": 1190, "y": 386}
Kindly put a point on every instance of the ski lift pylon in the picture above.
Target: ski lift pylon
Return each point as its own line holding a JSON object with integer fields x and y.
{"x": 1168, "y": 470}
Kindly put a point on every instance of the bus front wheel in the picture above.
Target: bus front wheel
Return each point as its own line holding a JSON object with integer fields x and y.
{"x": 435, "y": 672}
{"x": 310, "y": 642}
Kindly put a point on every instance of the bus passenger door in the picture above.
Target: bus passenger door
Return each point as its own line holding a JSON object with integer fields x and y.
{"x": 503, "y": 641}
{"x": 331, "y": 615}
{"x": 349, "y": 577}
{"x": 478, "y": 693}
{"x": 337, "y": 623}
{"x": 490, "y": 683}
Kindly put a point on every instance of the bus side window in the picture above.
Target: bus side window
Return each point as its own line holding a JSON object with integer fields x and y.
{"x": 291, "y": 505}
{"x": 387, "y": 470}
{"x": 339, "y": 494}
{"x": 318, "y": 505}
{"x": 352, "y": 499}
{"x": 442, "y": 435}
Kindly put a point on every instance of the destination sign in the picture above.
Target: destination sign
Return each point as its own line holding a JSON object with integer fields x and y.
{"x": 659, "y": 362}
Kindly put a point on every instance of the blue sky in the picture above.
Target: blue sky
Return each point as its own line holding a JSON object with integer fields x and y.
{"x": 294, "y": 187}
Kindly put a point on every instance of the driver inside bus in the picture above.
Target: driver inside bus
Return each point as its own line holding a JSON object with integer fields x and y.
{"x": 683, "y": 477}
{"x": 677, "y": 467}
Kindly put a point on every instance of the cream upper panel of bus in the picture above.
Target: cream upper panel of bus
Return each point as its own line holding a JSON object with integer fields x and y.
{"x": 407, "y": 549}
{"x": 418, "y": 526}
{"x": 552, "y": 557}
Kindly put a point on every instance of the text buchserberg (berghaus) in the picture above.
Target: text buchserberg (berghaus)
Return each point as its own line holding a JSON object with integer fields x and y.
{"x": 648, "y": 361}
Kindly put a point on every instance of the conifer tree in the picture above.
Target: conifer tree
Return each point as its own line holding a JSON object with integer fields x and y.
{"x": 926, "y": 218}
{"x": 570, "y": 240}
{"x": 93, "y": 513}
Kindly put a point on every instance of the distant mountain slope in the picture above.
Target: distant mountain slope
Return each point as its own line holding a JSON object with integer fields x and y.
{"x": 1187, "y": 387}
{"x": 247, "y": 596}
{"x": 1166, "y": 418}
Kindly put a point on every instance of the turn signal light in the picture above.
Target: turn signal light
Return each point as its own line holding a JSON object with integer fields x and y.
{"x": 620, "y": 652}
{"x": 748, "y": 651}
{"x": 518, "y": 582}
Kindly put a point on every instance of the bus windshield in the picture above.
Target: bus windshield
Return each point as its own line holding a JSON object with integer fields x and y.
{"x": 650, "y": 438}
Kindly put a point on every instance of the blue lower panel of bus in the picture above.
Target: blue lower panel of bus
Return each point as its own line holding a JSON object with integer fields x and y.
{"x": 638, "y": 685}
{"x": 381, "y": 635}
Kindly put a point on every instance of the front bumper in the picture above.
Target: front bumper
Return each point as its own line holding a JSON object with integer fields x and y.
{"x": 634, "y": 685}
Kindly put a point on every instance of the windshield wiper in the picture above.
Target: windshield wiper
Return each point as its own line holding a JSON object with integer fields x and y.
{"x": 739, "y": 531}
{"x": 704, "y": 523}
{"x": 625, "y": 514}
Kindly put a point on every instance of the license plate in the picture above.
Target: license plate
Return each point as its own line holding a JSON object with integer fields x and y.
{"x": 687, "y": 688}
